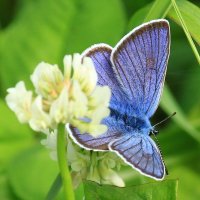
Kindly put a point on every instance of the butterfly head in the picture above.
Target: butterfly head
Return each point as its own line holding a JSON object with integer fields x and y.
{"x": 154, "y": 131}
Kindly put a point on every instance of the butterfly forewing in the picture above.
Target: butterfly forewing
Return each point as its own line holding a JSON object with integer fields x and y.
{"x": 140, "y": 61}
{"x": 100, "y": 55}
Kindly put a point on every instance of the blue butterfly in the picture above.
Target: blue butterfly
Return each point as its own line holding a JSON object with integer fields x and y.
{"x": 135, "y": 71}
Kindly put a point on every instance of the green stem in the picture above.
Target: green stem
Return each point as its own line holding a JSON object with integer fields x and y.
{"x": 186, "y": 30}
{"x": 62, "y": 162}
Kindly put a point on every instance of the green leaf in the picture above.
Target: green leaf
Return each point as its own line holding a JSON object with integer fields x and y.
{"x": 91, "y": 26}
{"x": 184, "y": 26}
{"x": 36, "y": 34}
{"x": 169, "y": 104}
{"x": 14, "y": 137}
{"x": 47, "y": 31}
{"x": 55, "y": 188}
{"x": 138, "y": 17}
{"x": 158, "y": 10}
{"x": 156, "y": 191}
{"x": 191, "y": 16}
{"x": 5, "y": 190}
{"x": 189, "y": 181}
{"x": 31, "y": 173}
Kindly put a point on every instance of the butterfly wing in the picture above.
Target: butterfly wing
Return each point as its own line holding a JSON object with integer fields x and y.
{"x": 140, "y": 61}
{"x": 99, "y": 143}
{"x": 141, "y": 153}
{"x": 100, "y": 55}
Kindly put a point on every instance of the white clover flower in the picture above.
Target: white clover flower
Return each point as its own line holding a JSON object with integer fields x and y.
{"x": 108, "y": 175}
{"x": 88, "y": 75}
{"x": 59, "y": 108}
{"x": 63, "y": 98}
{"x": 19, "y": 100}
{"x": 40, "y": 120}
{"x": 47, "y": 80}
{"x": 82, "y": 70}
{"x": 78, "y": 101}
{"x": 94, "y": 166}
{"x": 67, "y": 66}
{"x": 51, "y": 142}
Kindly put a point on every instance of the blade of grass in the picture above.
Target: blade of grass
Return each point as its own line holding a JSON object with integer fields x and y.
{"x": 191, "y": 15}
{"x": 55, "y": 188}
{"x": 159, "y": 9}
{"x": 186, "y": 31}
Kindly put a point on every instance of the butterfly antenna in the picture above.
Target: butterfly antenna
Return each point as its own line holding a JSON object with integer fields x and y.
{"x": 164, "y": 119}
{"x": 158, "y": 144}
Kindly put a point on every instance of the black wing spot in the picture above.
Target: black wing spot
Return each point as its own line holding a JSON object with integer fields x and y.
{"x": 150, "y": 62}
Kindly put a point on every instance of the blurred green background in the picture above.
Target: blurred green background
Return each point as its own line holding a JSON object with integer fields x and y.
{"x": 45, "y": 30}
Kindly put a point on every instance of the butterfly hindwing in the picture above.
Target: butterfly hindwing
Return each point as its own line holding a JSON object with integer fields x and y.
{"x": 140, "y": 61}
{"x": 96, "y": 143}
{"x": 140, "y": 152}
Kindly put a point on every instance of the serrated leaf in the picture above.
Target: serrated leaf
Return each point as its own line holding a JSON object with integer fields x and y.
{"x": 164, "y": 190}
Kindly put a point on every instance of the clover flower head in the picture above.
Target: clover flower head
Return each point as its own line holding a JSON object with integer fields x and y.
{"x": 60, "y": 97}
{"x": 72, "y": 97}
{"x": 95, "y": 166}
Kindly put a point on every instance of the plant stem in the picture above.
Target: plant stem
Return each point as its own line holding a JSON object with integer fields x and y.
{"x": 186, "y": 30}
{"x": 62, "y": 162}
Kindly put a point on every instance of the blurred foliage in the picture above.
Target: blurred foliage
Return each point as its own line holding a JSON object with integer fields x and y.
{"x": 36, "y": 30}
{"x": 165, "y": 189}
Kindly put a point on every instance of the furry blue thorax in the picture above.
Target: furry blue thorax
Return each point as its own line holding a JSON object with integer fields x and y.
{"x": 129, "y": 118}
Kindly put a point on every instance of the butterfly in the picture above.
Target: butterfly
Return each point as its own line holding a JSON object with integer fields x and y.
{"x": 135, "y": 71}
